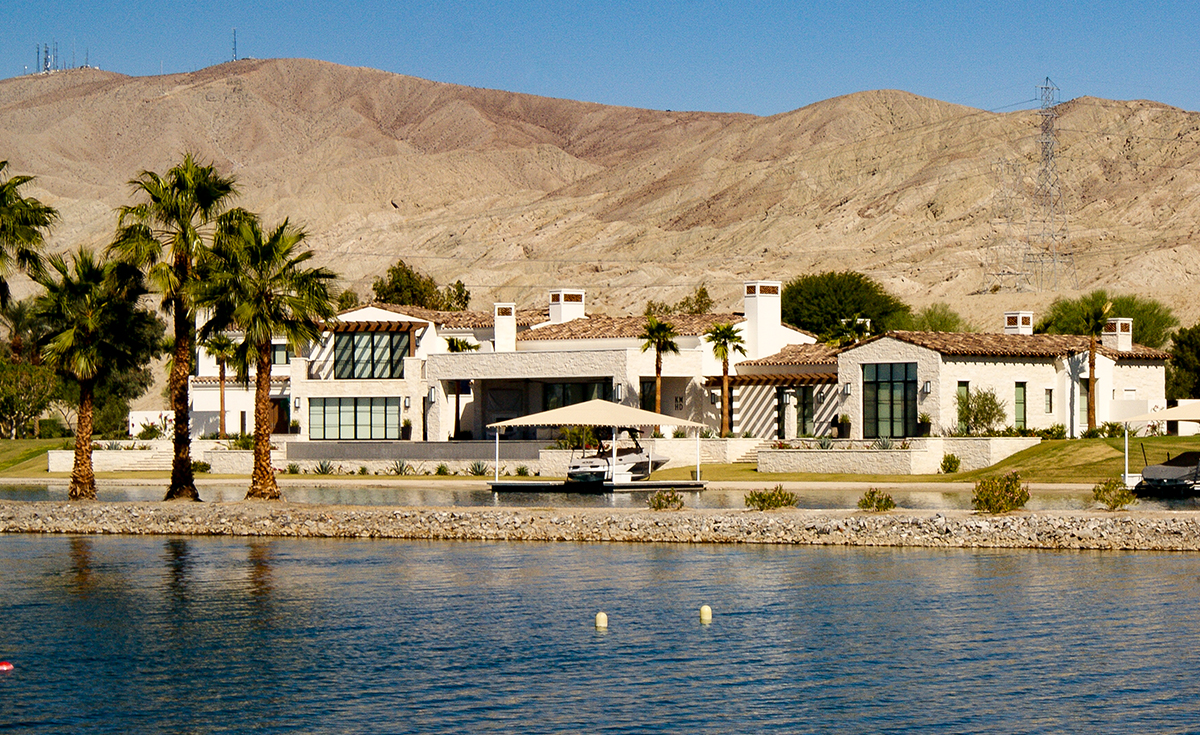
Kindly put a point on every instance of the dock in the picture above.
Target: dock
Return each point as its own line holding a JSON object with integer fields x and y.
{"x": 544, "y": 486}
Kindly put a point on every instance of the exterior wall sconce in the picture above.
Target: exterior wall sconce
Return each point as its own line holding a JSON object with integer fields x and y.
{"x": 926, "y": 388}
{"x": 296, "y": 403}
{"x": 433, "y": 394}
{"x": 846, "y": 389}
{"x": 618, "y": 392}
{"x": 407, "y": 401}
{"x": 712, "y": 398}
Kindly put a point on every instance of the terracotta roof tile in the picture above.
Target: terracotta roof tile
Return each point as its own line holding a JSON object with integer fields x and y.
{"x": 625, "y": 327}
{"x": 815, "y": 354}
{"x": 1014, "y": 345}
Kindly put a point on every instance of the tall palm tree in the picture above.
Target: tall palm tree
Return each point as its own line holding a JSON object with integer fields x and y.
{"x": 223, "y": 349}
{"x": 24, "y": 328}
{"x": 163, "y": 235}
{"x": 24, "y": 222}
{"x": 1094, "y": 320}
{"x": 724, "y": 339}
{"x": 93, "y": 327}
{"x": 257, "y": 282}
{"x": 661, "y": 337}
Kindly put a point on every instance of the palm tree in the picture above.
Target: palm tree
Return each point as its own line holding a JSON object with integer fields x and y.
{"x": 223, "y": 349}
{"x": 257, "y": 283}
{"x": 24, "y": 222}
{"x": 660, "y": 336}
{"x": 94, "y": 323}
{"x": 724, "y": 338}
{"x": 163, "y": 235}
{"x": 24, "y": 328}
{"x": 1094, "y": 321}
{"x": 454, "y": 344}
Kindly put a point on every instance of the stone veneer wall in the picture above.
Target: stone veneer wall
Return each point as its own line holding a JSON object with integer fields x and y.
{"x": 923, "y": 458}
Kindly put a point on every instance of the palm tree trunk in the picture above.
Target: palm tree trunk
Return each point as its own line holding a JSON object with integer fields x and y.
{"x": 1091, "y": 414}
{"x": 658, "y": 386}
{"x": 83, "y": 478}
{"x": 221, "y": 428}
{"x": 725, "y": 398}
{"x": 262, "y": 479}
{"x": 183, "y": 484}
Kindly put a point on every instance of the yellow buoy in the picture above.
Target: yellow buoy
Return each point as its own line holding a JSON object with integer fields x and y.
{"x": 705, "y": 614}
{"x": 601, "y": 620}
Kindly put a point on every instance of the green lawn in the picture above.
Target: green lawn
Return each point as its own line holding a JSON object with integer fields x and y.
{"x": 24, "y": 457}
{"x": 1066, "y": 460}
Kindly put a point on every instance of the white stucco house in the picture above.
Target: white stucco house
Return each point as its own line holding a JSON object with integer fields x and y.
{"x": 384, "y": 372}
{"x": 885, "y": 383}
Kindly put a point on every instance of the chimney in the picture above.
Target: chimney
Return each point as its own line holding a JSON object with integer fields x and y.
{"x": 566, "y": 304}
{"x": 1018, "y": 322}
{"x": 1118, "y": 335}
{"x": 505, "y": 316}
{"x": 762, "y": 331}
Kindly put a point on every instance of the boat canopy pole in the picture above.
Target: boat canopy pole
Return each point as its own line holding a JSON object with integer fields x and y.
{"x": 1125, "y": 477}
{"x": 497, "y": 454}
{"x": 697, "y": 454}
{"x": 612, "y": 467}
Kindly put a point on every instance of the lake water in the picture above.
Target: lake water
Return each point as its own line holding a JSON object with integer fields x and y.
{"x": 206, "y": 635}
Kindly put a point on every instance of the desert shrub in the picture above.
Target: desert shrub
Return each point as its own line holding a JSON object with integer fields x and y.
{"x": 950, "y": 464}
{"x": 1055, "y": 431}
{"x": 825, "y": 442}
{"x": 1095, "y": 433}
{"x": 576, "y": 437}
{"x": 1113, "y": 429}
{"x": 522, "y": 471}
{"x": 771, "y": 499}
{"x": 883, "y": 442}
{"x": 324, "y": 467}
{"x": 443, "y": 469}
{"x": 149, "y": 431}
{"x": 656, "y": 434}
{"x": 199, "y": 467}
{"x": 240, "y": 441}
{"x": 679, "y": 434}
{"x": 401, "y": 468}
{"x": 665, "y": 499}
{"x": 706, "y": 433}
{"x": 1000, "y": 494}
{"x": 293, "y": 468}
{"x": 362, "y": 470}
{"x": 876, "y": 501}
{"x": 478, "y": 468}
{"x": 1113, "y": 494}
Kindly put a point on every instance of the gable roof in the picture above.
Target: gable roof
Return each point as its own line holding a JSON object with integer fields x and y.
{"x": 1013, "y": 345}
{"x": 626, "y": 327}
{"x": 815, "y": 354}
{"x": 454, "y": 319}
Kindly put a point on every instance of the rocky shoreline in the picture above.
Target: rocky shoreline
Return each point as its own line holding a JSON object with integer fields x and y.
{"x": 1162, "y": 531}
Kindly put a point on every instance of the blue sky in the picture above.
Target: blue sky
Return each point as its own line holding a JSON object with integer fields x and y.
{"x": 732, "y": 56}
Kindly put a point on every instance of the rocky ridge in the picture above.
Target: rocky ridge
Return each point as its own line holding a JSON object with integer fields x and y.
{"x": 1166, "y": 531}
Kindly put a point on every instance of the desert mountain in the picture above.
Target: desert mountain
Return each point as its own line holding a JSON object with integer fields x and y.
{"x": 515, "y": 194}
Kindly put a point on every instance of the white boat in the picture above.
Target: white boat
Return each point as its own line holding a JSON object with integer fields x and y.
{"x": 631, "y": 464}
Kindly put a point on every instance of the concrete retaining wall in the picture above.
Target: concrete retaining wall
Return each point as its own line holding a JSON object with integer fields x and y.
{"x": 924, "y": 457}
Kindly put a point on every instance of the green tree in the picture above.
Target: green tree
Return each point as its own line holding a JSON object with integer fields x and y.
{"x": 980, "y": 412}
{"x": 25, "y": 391}
{"x": 163, "y": 235}
{"x": 724, "y": 338}
{"x": 222, "y": 349}
{"x": 404, "y": 284}
{"x": 820, "y": 302}
{"x": 937, "y": 318}
{"x": 24, "y": 223}
{"x": 1153, "y": 321}
{"x": 659, "y": 336}
{"x": 258, "y": 283}
{"x": 347, "y": 300}
{"x": 699, "y": 302}
{"x": 93, "y": 327}
{"x": 24, "y": 329}
{"x": 1183, "y": 371}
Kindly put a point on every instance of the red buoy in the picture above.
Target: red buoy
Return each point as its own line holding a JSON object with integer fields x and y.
{"x": 5, "y": 666}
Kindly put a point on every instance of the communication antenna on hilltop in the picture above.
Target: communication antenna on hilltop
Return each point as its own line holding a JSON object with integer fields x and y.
{"x": 1005, "y": 267}
{"x": 1048, "y": 259}
{"x": 235, "y": 44}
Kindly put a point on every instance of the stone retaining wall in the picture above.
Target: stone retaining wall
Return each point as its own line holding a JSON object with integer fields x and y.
{"x": 924, "y": 457}
{"x": 1063, "y": 530}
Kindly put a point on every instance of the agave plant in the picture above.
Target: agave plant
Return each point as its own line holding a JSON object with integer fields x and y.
{"x": 324, "y": 467}
{"x": 477, "y": 468}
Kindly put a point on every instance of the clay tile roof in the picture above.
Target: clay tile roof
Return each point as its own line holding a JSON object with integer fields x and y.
{"x": 817, "y": 354}
{"x": 456, "y": 319}
{"x": 1015, "y": 345}
{"x": 627, "y": 327}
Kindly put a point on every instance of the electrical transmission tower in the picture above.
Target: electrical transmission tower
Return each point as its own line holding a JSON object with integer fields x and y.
{"x": 1048, "y": 259}
{"x": 1006, "y": 266}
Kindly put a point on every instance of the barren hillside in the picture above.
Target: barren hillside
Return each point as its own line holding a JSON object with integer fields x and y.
{"x": 515, "y": 194}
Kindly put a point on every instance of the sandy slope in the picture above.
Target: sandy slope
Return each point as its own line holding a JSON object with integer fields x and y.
{"x": 515, "y": 193}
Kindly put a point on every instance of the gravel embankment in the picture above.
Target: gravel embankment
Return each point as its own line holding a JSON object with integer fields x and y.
{"x": 1176, "y": 531}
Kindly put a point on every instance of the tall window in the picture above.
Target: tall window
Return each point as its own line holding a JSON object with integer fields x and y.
{"x": 556, "y": 395}
{"x": 1049, "y": 400}
{"x": 354, "y": 418}
{"x": 890, "y": 399}
{"x": 964, "y": 389}
{"x": 1083, "y": 399}
{"x": 281, "y": 354}
{"x": 806, "y": 405}
{"x": 647, "y": 395}
{"x": 369, "y": 355}
{"x": 1019, "y": 406}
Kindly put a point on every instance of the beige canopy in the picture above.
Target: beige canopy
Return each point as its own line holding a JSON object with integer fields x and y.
{"x": 596, "y": 412}
{"x": 1186, "y": 412}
